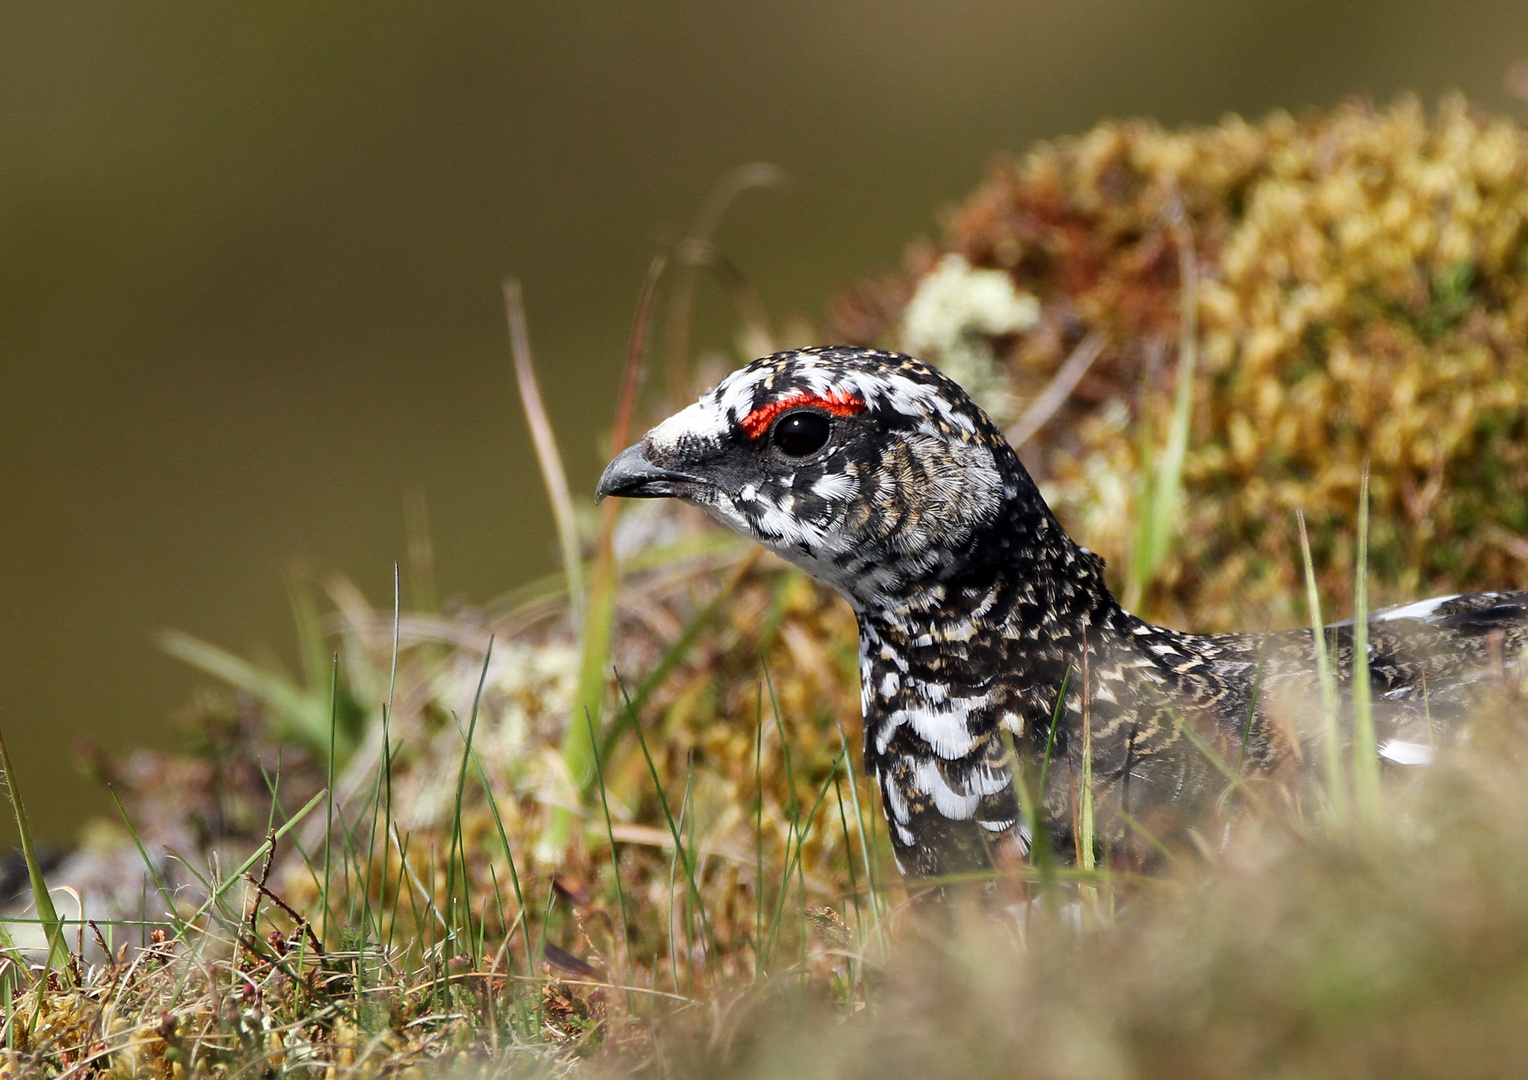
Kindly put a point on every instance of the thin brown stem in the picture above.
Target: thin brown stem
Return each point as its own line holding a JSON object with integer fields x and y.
{"x": 302, "y": 923}
{"x": 682, "y": 303}
{"x": 547, "y": 454}
{"x": 1058, "y": 389}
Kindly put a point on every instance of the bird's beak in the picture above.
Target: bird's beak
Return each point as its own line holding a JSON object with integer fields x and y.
{"x": 634, "y": 477}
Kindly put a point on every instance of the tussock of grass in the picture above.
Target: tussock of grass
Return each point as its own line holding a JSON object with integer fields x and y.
{"x": 348, "y": 871}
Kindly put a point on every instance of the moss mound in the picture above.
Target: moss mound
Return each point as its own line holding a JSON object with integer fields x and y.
{"x": 1361, "y": 296}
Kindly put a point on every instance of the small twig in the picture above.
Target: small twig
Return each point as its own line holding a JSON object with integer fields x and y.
{"x": 1058, "y": 390}
{"x": 101, "y": 941}
{"x": 265, "y": 875}
{"x": 301, "y": 921}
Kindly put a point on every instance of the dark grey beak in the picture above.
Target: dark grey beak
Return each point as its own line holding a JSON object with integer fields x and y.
{"x": 633, "y": 476}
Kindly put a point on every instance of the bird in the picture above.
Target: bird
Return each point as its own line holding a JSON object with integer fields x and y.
{"x": 986, "y": 632}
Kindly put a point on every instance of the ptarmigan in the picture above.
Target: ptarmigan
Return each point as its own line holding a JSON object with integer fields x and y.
{"x": 879, "y": 476}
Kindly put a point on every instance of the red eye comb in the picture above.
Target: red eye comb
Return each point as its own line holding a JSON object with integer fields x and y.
{"x": 837, "y": 402}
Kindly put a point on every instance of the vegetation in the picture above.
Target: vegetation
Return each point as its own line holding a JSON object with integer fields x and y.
{"x": 362, "y": 869}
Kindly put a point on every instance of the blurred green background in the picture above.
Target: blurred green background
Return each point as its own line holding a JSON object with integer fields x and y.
{"x": 250, "y": 260}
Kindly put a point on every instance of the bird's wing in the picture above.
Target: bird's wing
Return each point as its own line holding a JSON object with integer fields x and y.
{"x": 1431, "y": 663}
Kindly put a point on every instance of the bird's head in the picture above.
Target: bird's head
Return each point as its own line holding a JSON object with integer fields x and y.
{"x": 869, "y": 470}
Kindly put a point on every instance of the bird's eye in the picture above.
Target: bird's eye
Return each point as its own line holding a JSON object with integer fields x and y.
{"x": 798, "y": 434}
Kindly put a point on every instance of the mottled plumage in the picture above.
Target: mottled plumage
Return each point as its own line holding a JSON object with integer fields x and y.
{"x": 879, "y": 476}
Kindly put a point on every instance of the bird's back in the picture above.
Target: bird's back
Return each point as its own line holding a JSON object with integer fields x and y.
{"x": 1172, "y": 716}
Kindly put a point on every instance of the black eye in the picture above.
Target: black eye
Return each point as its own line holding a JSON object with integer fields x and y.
{"x": 798, "y": 434}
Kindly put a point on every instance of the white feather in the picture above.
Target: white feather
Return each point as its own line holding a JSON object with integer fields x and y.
{"x": 1406, "y": 753}
{"x": 1419, "y": 610}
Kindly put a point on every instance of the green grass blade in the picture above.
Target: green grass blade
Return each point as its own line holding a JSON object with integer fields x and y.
{"x": 1031, "y": 799}
{"x": 692, "y": 901}
{"x": 672, "y": 656}
{"x": 854, "y": 891}
{"x": 794, "y": 857}
{"x": 615, "y": 855}
{"x": 1050, "y": 736}
{"x": 1331, "y": 736}
{"x": 334, "y": 722}
{"x": 1182, "y": 725}
{"x": 381, "y": 802}
{"x": 785, "y": 744}
{"x": 867, "y": 853}
{"x": 509, "y": 855}
{"x": 679, "y": 846}
{"x": 758, "y": 828}
{"x": 58, "y": 950}
{"x": 577, "y": 752}
{"x": 387, "y": 713}
{"x": 1086, "y": 834}
{"x": 164, "y": 893}
{"x": 456, "y": 817}
{"x": 673, "y": 876}
{"x": 1365, "y": 751}
{"x": 1160, "y": 498}
{"x": 1029, "y": 806}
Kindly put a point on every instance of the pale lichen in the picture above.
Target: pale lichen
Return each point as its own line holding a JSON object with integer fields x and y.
{"x": 953, "y": 318}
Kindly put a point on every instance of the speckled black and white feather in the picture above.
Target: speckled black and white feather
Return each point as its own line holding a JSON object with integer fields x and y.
{"x": 975, "y": 608}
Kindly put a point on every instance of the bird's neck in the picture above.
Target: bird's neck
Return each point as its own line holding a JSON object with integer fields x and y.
{"x": 957, "y": 656}
{"x": 1018, "y": 579}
